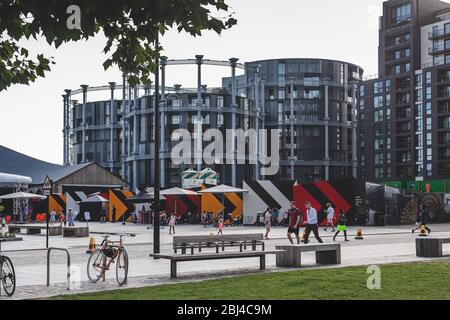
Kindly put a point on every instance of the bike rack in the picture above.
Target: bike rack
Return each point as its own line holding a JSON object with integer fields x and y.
{"x": 49, "y": 250}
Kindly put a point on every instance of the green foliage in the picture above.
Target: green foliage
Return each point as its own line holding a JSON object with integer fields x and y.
{"x": 130, "y": 26}
{"x": 1, "y": 207}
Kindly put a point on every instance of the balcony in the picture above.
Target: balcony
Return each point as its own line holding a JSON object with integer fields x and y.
{"x": 437, "y": 50}
{"x": 397, "y": 22}
{"x": 438, "y": 34}
{"x": 444, "y": 94}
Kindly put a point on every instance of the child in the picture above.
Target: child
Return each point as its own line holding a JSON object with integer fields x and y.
{"x": 341, "y": 225}
{"x": 62, "y": 218}
{"x": 172, "y": 222}
{"x": 220, "y": 227}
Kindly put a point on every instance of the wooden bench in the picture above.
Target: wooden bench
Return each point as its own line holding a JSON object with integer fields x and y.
{"x": 430, "y": 247}
{"x": 75, "y": 232}
{"x": 326, "y": 253}
{"x": 175, "y": 258}
{"x": 229, "y": 240}
{"x": 35, "y": 229}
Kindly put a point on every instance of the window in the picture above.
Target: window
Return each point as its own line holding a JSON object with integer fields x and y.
{"x": 419, "y": 95}
{"x": 280, "y": 112}
{"x": 397, "y": 69}
{"x": 418, "y": 80}
{"x": 378, "y": 144}
{"x": 388, "y": 100}
{"x": 388, "y": 114}
{"x": 281, "y": 93}
{"x": 407, "y": 52}
{"x": 408, "y": 67}
{"x": 447, "y": 58}
{"x": 429, "y": 124}
{"x": 378, "y": 130}
{"x": 378, "y": 87}
{"x": 428, "y": 108}
{"x": 407, "y": 36}
{"x": 429, "y": 154}
{"x": 398, "y": 40}
{"x": 388, "y": 143}
{"x": 378, "y": 101}
{"x": 419, "y": 140}
{"x": 428, "y": 93}
{"x": 379, "y": 159}
{"x": 378, "y": 116}
{"x": 436, "y": 61}
{"x": 361, "y": 90}
{"x": 419, "y": 125}
{"x": 388, "y": 85}
{"x": 419, "y": 110}
{"x": 403, "y": 13}
{"x": 176, "y": 119}
{"x": 361, "y": 104}
{"x": 435, "y": 30}
{"x": 429, "y": 170}
{"x": 397, "y": 55}
{"x": 388, "y": 158}
{"x": 447, "y": 44}
{"x": 428, "y": 77}
{"x": 447, "y": 28}
{"x": 281, "y": 71}
{"x": 429, "y": 139}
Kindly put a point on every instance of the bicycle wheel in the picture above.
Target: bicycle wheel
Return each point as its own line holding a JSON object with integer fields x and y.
{"x": 96, "y": 265}
{"x": 8, "y": 276}
{"x": 122, "y": 267}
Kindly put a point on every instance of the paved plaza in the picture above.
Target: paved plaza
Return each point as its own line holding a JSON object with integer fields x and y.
{"x": 381, "y": 245}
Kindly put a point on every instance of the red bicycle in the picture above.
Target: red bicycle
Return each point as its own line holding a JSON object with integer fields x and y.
{"x": 110, "y": 252}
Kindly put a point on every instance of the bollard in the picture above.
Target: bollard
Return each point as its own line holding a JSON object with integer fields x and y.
{"x": 91, "y": 245}
{"x": 423, "y": 232}
{"x": 359, "y": 234}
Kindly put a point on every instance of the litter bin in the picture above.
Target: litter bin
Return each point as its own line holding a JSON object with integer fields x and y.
{"x": 380, "y": 219}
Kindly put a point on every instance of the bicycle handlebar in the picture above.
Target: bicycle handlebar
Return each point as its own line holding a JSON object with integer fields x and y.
{"x": 108, "y": 234}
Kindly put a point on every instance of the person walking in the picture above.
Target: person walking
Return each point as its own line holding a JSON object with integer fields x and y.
{"x": 312, "y": 224}
{"x": 267, "y": 222}
{"x": 114, "y": 211}
{"x": 422, "y": 219}
{"x": 220, "y": 227}
{"x": 103, "y": 214}
{"x": 172, "y": 223}
{"x": 342, "y": 225}
{"x": 71, "y": 218}
{"x": 330, "y": 217}
{"x": 52, "y": 217}
{"x": 295, "y": 221}
{"x": 62, "y": 219}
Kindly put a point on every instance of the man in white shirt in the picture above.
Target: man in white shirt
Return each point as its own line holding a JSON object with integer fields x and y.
{"x": 312, "y": 224}
{"x": 330, "y": 217}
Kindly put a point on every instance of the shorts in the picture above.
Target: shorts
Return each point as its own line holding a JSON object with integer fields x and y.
{"x": 292, "y": 229}
{"x": 341, "y": 228}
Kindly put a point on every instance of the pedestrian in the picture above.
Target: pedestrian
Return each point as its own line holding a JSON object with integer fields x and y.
{"x": 275, "y": 214}
{"x": 24, "y": 213}
{"x": 295, "y": 221}
{"x": 62, "y": 219}
{"x": 312, "y": 224}
{"x": 103, "y": 214}
{"x": 342, "y": 225}
{"x": 172, "y": 222}
{"x": 220, "y": 227}
{"x": 71, "y": 218}
{"x": 114, "y": 211}
{"x": 422, "y": 219}
{"x": 267, "y": 222}
{"x": 3, "y": 223}
{"x": 330, "y": 217}
{"x": 52, "y": 217}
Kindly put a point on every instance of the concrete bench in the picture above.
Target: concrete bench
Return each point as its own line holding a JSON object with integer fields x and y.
{"x": 175, "y": 258}
{"x": 291, "y": 256}
{"x": 430, "y": 247}
{"x": 229, "y": 240}
{"x": 35, "y": 229}
{"x": 75, "y": 232}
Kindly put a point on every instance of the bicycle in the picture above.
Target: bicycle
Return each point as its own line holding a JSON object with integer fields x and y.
{"x": 101, "y": 259}
{"x": 7, "y": 274}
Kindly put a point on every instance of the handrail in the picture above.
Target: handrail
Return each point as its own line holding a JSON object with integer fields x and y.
{"x": 48, "y": 261}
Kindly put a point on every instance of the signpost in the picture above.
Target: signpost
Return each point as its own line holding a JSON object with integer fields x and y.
{"x": 47, "y": 187}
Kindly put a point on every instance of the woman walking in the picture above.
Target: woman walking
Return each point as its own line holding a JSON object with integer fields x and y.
{"x": 172, "y": 223}
{"x": 220, "y": 227}
{"x": 267, "y": 222}
{"x": 71, "y": 218}
{"x": 52, "y": 217}
{"x": 342, "y": 225}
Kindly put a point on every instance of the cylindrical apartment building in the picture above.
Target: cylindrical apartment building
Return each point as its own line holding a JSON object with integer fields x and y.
{"x": 313, "y": 103}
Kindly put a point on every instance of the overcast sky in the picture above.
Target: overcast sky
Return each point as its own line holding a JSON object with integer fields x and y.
{"x": 31, "y": 116}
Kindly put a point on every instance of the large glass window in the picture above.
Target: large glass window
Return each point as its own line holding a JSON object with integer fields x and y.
{"x": 429, "y": 124}
{"x": 378, "y": 144}
{"x": 428, "y": 93}
{"x": 418, "y": 80}
{"x": 379, "y": 159}
{"x": 403, "y": 13}
{"x": 428, "y": 77}
{"x": 429, "y": 139}
{"x": 378, "y": 101}
{"x": 388, "y": 85}
{"x": 447, "y": 58}
{"x": 447, "y": 28}
{"x": 408, "y": 67}
{"x": 378, "y": 87}
{"x": 419, "y": 110}
{"x": 378, "y": 116}
{"x": 428, "y": 108}
{"x": 361, "y": 90}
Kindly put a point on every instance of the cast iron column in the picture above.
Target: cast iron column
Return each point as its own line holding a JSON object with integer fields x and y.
{"x": 84, "y": 124}
{"x": 233, "y": 62}
{"x": 156, "y": 233}
{"x": 112, "y": 86}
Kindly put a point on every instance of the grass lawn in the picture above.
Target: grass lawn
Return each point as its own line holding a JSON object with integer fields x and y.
{"x": 429, "y": 280}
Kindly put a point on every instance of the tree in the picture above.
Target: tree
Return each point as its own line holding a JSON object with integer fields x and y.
{"x": 1, "y": 207}
{"x": 130, "y": 26}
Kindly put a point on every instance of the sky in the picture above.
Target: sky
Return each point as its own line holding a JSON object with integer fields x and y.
{"x": 31, "y": 117}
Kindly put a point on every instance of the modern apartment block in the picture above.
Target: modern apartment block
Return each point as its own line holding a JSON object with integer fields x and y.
{"x": 404, "y": 112}
{"x": 311, "y": 101}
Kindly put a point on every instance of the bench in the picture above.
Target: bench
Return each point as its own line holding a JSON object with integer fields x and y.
{"x": 175, "y": 258}
{"x": 35, "y": 229}
{"x": 75, "y": 232}
{"x": 430, "y": 247}
{"x": 290, "y": 256}
{"x": 229, "y": 240}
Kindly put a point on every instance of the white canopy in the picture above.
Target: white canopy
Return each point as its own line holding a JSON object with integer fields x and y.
{"x": 95, "y": 198}
{"x": 178, "y": 192}
{"x": 223, "y": 189}
{"x": 13, "y": 178}
{"x": 22, "y": 195}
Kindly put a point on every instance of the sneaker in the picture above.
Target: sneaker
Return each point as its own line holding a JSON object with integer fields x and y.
{"x": 334, "y": 239}
{"x": 412, "y": 231}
